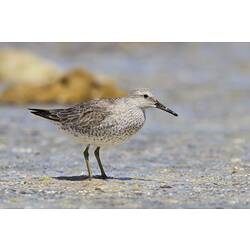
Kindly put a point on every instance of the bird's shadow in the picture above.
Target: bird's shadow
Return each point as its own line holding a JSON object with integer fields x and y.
{"x": 85, "y": 177}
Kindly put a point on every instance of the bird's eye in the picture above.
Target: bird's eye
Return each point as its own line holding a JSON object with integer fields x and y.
{"x": 145, "y": 96}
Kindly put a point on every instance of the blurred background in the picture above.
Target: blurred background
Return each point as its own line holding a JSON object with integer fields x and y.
{"x": 200, "y": 159}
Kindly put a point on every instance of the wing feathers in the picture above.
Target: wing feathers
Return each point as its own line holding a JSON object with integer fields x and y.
{"x": 48, "y": 114}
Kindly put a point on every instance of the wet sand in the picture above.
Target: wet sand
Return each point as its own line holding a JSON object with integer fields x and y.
{"x": 199, "y": 160}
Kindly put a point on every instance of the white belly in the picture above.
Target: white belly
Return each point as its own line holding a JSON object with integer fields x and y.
{"x": 112, "y": 131}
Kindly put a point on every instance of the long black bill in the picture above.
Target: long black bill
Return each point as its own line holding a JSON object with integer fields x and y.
{"x": 162, "y": 107}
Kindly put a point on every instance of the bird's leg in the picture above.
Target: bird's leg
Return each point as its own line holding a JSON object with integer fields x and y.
{"x": 104, "y": 176}
{"x": 86, "y": 156}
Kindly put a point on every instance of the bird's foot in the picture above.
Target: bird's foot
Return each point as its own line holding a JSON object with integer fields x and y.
{"x": 104, "y": 177}
{"x": 90, "y": 178}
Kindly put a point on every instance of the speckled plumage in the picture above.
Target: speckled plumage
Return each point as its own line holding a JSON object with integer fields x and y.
{"x": 100, "y": 123}
{"x": 104, "y": 122}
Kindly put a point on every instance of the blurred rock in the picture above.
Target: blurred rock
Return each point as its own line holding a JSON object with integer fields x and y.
{"x": 75, "y": 86}
{"x": 19, "y": 66}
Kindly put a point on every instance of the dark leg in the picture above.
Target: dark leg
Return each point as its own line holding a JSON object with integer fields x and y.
{"x": 86, "y": 156}
{"x": 104, "y": 176}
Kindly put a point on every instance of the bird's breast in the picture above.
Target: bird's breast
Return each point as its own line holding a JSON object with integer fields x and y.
{"x": 129, "y": 121}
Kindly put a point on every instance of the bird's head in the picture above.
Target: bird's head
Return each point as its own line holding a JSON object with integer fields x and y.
{"x": 144, "y": 99}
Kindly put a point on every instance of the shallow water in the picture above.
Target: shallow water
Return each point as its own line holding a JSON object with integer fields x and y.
{"x": 199, "y": 160}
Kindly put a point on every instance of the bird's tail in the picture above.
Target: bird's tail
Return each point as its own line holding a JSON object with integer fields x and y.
{"x": 48, "y": 114}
